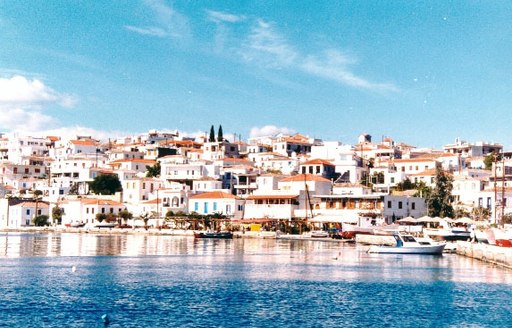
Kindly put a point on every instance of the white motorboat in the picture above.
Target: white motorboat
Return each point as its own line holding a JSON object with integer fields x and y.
{"x": 407, "y": 244}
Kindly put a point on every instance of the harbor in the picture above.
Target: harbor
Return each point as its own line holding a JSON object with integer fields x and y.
{"x": 139, "y": 280}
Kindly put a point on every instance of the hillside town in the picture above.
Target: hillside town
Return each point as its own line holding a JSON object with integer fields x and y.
{"x": 165, "y": 180}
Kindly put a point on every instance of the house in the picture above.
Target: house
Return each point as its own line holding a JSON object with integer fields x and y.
{"x": 22, "y": 214}
{"x": 276, "y": 206}
{"x": 217, "y": 202}
{"x": 477, "y": 149}
{"x": 401, "y": 206}
{"x": 84, "y": 210}
{"x": 319, "y": 167}
{"x": 296, "y": 144}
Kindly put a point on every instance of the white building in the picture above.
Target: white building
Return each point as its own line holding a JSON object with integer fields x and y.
{"x": 397, "y": 207}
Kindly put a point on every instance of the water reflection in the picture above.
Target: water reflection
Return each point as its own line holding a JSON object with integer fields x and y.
{"x": 281, "y": 259}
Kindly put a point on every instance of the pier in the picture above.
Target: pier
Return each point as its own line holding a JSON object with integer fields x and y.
{"x": 501, "y": 256}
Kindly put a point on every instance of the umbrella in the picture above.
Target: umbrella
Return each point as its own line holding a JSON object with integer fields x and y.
{"x": 465, "y": 220}
{"x": 426, "y": 218}
{"x": 408, "y": 219}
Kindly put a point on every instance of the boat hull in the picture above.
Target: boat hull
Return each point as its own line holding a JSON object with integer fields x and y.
{"x": 216, "y": 235}
{"x": 422, "y": 249}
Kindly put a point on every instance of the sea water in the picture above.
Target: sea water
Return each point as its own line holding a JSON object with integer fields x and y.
{"x": 72, "y": 280}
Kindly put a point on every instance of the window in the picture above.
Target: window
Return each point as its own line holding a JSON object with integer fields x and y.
{"x": 400, "y": 205}
{"x": 28, "y": 212}
{"x": 389, "y": 204}
{"x": 214, "y": 206}
{"x": 196, "y": 206}
{"x": 489, "y": 202}
{"x": 392, "y": 180}
{"x": 205, "y": 207}
{"x": 413, "y": 205}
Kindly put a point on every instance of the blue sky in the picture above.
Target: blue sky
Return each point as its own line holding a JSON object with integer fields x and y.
{"x": 424, "y": 72}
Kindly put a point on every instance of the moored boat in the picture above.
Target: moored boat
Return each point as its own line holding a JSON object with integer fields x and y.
{"x": 407, "y": 244}
{"x": 214, "y": 234}
{"x": 452, "y": 234}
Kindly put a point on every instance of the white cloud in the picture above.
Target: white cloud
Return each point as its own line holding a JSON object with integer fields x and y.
{"x": 168, "y": 22}
{"x": 269, "y": 130}
{"x": 22, "y": 102}
{"x": 18, "y": 90}
{"x": 220, "y": 17}
{"x": 69, "y": 133}
{"x": 21, "y": 120}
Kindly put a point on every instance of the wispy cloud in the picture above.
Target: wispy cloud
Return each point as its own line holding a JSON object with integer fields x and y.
{"x": 269, "y": 130}
{"x": 222, "y": 17}
{"x": 153, "y": 31}
{"x": 334, "y": 65}
{"x": 22, "y": 102}
{"x": 167, "y": 22}
{"x": 266, "y": 46}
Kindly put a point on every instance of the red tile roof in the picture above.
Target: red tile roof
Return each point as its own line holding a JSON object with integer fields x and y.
{"x": 305, "y": 177}
{"x": 214, "y": 195}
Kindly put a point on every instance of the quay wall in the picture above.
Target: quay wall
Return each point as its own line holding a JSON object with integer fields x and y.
{"x": 501, "y": 256}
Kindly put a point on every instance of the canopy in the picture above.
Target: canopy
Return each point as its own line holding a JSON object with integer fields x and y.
{"x": 426, "y": 218}
{"x": 408, "y": 219}
{"x": 465, "y": 220}
{"x": 333, "y": 219}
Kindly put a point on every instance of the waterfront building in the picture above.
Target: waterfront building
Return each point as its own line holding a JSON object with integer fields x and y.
{"x": 217, "y": 202}
{"x": 84, "y": 210}
{"x": 400, "y": 206}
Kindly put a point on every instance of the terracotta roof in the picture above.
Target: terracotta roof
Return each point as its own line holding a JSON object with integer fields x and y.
{"x": 32, "y": 204}
{"x": 83, "y": 142}
{"x": 92, "y": 201}
{"x": 318, "y": 161}
{"x": 305, "y": 177}
{"x": 413, "y": 160}
{"x": 255, "y": 197}
{"x": 426, "y": 173}
{"x": 138, "y": 160}
{"x": 213, "y": 195}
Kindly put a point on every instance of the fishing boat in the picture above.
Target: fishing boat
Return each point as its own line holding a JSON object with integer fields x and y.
{"x": 407, "y": 244}
{"x": 214, "y": 234}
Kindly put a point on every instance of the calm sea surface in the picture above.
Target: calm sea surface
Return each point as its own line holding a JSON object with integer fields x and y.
{"x": 71, "y": 280}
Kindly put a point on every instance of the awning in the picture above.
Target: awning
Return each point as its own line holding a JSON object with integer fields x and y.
{"x": 333, "y": 219}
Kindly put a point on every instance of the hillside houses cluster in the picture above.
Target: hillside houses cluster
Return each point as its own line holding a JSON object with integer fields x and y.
{"x": 283, "y": 177}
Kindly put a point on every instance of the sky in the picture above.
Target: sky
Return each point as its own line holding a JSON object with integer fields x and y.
{"x": 420, "y": 72}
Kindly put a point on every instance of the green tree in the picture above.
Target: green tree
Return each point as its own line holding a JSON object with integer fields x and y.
{"x": 57, "y": 214}
{"x": 506, "y": 219}
{"x": 41, "y": 221}
{"x": 220, "y": 137}
{"x": 125, "y": 215}
{"x": 405, "y": 184}
{"x": 153, "y": 171}
{"x": 100, "y": 217}
{"x": 212, "y": 135}
{"x": 489, "y": 159}
{"x": 105, "y": 184}
{"x": 439, "y": 202}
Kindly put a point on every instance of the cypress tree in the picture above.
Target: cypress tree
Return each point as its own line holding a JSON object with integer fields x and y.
{"x": 212, "y": 134}
{"x": 220, "y": 137}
